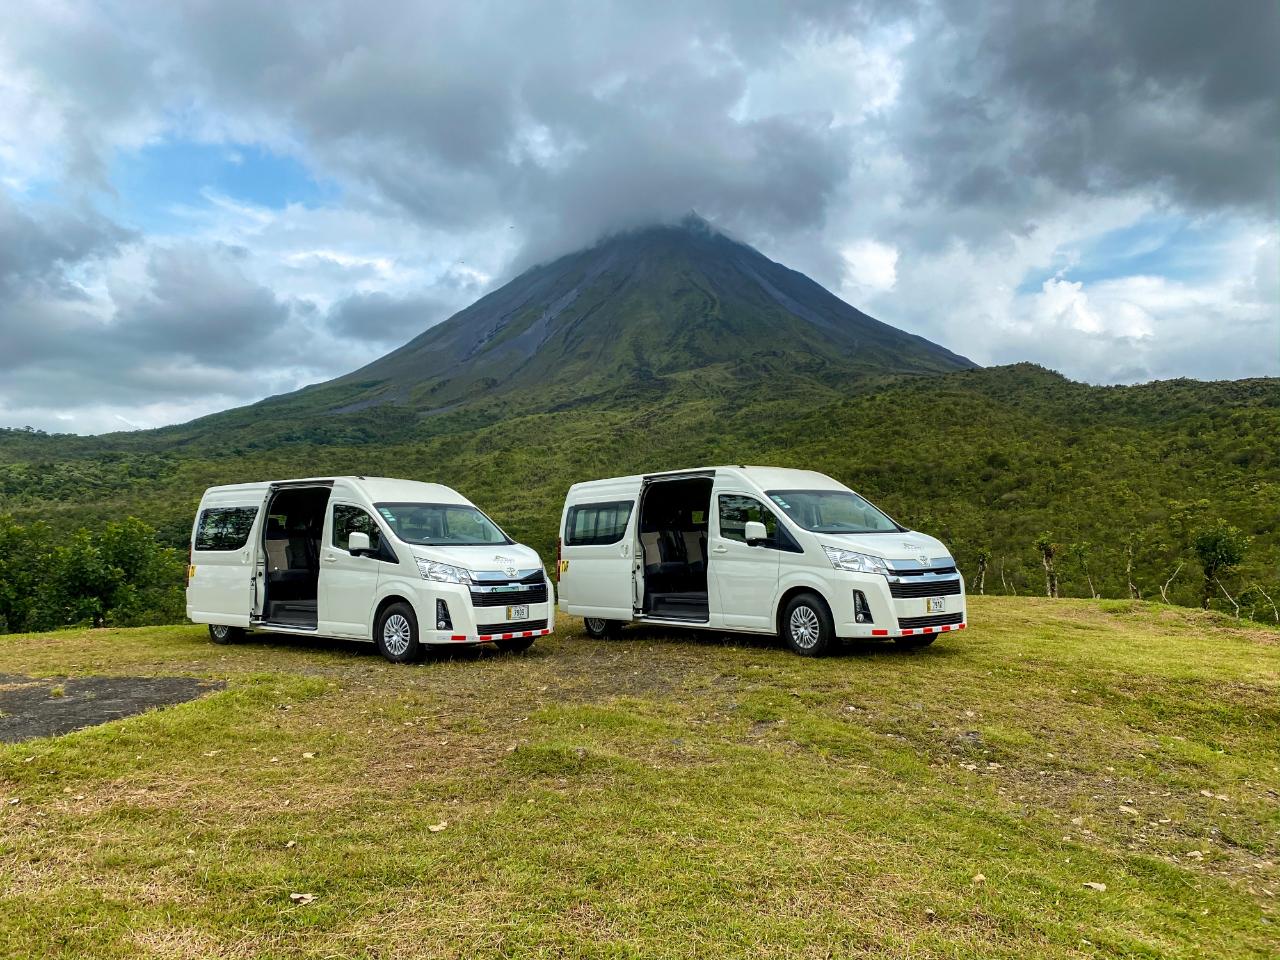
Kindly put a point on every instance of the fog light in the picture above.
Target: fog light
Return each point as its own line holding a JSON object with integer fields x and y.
{"x": 861, "y": 612}
{"x": 443, "y": 620}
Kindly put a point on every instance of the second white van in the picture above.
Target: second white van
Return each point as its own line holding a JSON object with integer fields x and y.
{"x": 752, "y": 549}
{"x": 397, "y": 562}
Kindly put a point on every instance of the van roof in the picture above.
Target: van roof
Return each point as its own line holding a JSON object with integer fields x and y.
{"x": 376, "y": 489}
{"x": 766, "y": 478}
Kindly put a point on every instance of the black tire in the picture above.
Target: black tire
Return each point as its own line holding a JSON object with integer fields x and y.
{"x": 396, "y": 634}
{"x": 600, "y": 629}
{"x": 221, "y": 633}
{"x": 515, "y": 645}
{"x": 916, "y": 641}
{"x": 807, "y": 627}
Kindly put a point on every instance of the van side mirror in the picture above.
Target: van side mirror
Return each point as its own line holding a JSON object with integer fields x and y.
{"x": 756, "y": 533}
{"x": 358, "y": 543}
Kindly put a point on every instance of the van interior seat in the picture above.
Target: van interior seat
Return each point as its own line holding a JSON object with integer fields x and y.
{"x": 673, "y": 535}
{"x": 295, "y": 521}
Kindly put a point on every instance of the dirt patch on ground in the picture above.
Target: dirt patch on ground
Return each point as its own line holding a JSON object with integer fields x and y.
{"x": 31, "y": 707}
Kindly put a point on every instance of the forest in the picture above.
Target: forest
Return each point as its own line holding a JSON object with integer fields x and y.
{"x": 1167, "y": 491}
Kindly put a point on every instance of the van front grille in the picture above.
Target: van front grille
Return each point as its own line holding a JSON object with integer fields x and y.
{"x": 502, "y": 598}
{"x": 925, "y": 588}
{"x": 515, "y": 626}
{"x": 920, "y": 572}
{"x": 936, "y": 620}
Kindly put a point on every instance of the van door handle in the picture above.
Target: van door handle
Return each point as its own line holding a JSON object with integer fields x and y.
{"x": 330, "y": 558}
{"x": 719, "y": 549}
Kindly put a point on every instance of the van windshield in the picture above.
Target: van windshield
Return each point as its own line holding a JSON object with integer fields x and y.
{"x": 832, "y": 511}
{"x": 441, "y": 524}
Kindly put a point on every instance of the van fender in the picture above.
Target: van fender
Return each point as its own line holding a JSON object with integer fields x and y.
{"x": 396, "y": 591}
{"x": 796, "y": 582}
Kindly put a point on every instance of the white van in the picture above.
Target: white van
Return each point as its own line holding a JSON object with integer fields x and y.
{"x": 401, "y": 563}
{"x": 752, "y": 549}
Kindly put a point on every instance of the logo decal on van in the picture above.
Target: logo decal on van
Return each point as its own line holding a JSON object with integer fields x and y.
{"x": 507, "y": 565}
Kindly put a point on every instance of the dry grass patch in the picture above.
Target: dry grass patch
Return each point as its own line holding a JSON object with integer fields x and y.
{"x": 683, "y": 796}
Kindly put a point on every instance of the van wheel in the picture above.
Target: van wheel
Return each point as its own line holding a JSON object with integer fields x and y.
{"x": 397, "y": 634}
{"x": 807, "y": 627}
{"x": 915, "y": 641}
{"x": 600, "y": 629}
{"x": 220, "y": 633}
{"x": 516, "y": 645}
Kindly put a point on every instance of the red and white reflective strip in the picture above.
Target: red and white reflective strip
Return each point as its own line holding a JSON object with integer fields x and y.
{"x": 487, "y": 637}
{"x": 945, "y": 628}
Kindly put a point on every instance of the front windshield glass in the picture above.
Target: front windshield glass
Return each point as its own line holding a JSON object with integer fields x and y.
{"x": 441, "y": 524}
{"x": 832, "y": 511}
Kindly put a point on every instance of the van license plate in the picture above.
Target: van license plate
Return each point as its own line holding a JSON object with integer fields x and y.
{"x": 519, "y": 612}
{"x": 935, "y": 605}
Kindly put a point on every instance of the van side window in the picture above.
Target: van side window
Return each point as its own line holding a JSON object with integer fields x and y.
{"x": 736, "y": 510}
{"x": 348, "y": 520}
{"x": 224, "y": 528}
{"x": 597, "y": 523}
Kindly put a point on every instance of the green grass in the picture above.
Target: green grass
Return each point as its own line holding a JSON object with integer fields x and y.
{"x": 664, "y": 796}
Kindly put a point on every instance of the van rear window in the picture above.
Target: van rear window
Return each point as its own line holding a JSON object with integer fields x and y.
{"x": 595, "y": 523}
{"x": 224, "y": 528}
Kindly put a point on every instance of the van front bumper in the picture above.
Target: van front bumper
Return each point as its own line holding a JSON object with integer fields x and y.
{"x": 478, "y": 624}
{"x": 893, "y": 616}
{"x": 444, "y": 636}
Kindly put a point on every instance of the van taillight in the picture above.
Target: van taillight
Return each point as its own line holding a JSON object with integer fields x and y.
{"x": 559, "y": 551}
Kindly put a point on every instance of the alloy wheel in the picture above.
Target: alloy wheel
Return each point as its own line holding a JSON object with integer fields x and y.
{"x": 396, "y": 634}
{"x": 805, "y": 627}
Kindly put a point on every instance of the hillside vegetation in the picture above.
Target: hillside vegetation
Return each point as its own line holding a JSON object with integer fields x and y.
{"x": 988, "y": 460}
{"x": 688, "y": 796}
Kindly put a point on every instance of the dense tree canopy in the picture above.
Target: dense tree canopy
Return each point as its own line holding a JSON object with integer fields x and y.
{"x": 1124, "y": 479}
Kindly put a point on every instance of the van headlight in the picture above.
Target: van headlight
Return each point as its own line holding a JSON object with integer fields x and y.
{"x": 444, "y": 572}
{"x": 855, "y": 562}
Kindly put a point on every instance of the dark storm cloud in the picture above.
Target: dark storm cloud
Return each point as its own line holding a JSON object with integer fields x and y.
{"x": 562, "y": 121}
{"x": 379, "y": 316}
{"x": 40, "y": 245}
{"x": 1180, "y": 99}
{"x": 199, "y": 303}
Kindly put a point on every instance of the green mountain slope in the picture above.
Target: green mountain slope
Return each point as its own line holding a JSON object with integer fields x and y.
{"x": 668, "y": 354}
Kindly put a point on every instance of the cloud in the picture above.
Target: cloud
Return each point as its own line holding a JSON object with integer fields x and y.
{"x": 948, "y": 168}
{"x": 378, "y": 316}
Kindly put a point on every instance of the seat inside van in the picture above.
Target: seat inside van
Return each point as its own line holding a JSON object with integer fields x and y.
{"x": 673, "y": 526}
{"x": 291, "y": 544}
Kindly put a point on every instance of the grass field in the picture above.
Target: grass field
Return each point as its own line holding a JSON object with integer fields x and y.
{"x": 663, "y": 796}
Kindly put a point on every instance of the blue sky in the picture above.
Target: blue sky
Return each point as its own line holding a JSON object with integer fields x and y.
{"x": 155, "y": 187}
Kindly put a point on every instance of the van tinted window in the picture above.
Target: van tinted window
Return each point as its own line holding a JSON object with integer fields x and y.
{"x": 594, "y": 523}
{"x": 736, "y": 510}
{"x": 348, "y": 520}
{"x": 224, "y": 528}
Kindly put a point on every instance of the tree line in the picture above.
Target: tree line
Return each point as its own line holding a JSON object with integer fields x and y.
{"x": 115, "y": 575}
{"x": 120, "y": 574}
{"x": 1217, "y": 550}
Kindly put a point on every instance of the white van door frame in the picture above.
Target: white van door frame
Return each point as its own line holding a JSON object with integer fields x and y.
{"x": 224, "y": 588}
{"x": 600, "y": 577}
{"x": 746, "y": 577}
{"x": 637, "y": 576}
{"x": 258, "y": 560}
{"x": 348, "y": 584}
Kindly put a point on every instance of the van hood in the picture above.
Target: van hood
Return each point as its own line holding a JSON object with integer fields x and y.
{"x": 499, "y": 558}
{"x": 919, "y": 548}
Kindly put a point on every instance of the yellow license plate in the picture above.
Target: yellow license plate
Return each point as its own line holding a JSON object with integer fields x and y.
{"x": 518, "y": 612}
{"x": 935, "y": 605}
